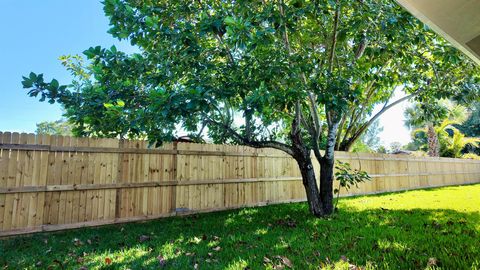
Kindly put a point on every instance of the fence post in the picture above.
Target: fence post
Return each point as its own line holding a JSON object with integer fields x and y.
{"x": 173, "y": 203}
{"x": 118, "y": 195}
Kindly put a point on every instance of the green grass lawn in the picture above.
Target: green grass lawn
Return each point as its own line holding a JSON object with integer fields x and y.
{"x": 435, "y": 228}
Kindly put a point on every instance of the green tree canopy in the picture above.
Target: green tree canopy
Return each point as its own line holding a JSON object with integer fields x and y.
{"x": 281, "y": 74}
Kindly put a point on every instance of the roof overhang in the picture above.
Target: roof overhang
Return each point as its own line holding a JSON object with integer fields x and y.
{"x": 458, "y": 21}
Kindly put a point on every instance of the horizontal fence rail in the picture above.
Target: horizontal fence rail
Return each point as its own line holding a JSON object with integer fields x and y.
{"x": 52, "y": 182}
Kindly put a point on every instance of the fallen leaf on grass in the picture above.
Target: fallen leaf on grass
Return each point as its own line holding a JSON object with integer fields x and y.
{"x": 217, "y": 248}
{"x": 285, "y": 261}
{"x": 432, "y": 262}
{"x": 108, "y": 260}
{"x": 143, "y": 238}
{"x": 161, "y": 261}
{"x": 353, "y": 267}
{"x": 77, "y": 242}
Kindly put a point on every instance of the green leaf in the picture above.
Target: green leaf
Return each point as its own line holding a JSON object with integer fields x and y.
{"x": 27, "y": 83}
{"x": 230, "y": 21}
{"x": 149, "y": 21}
{"x": 54, "y": 83}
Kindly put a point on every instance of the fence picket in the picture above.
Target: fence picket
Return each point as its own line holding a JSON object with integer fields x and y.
{"x": 54, "y": 182}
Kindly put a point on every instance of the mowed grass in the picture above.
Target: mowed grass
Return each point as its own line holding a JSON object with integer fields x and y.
{"x": 434, "y": 228}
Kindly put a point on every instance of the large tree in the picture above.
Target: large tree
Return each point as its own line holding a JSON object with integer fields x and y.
{"x": 281, "y": 74}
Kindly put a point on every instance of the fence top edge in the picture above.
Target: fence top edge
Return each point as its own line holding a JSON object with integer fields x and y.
{"x": 240, "y": 151}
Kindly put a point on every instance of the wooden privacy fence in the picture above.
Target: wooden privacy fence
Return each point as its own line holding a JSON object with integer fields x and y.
{"x": 53, "y": 182}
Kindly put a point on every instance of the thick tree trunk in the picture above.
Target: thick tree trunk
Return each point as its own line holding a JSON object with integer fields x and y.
{"x": 320, "y": 201}
{"x": 327, "y": 163}
{"x": 302, "y": 155}
{"x": 310, "y": 183}
{"x": 326, "y": 185}
{"x": 433, "y": 147}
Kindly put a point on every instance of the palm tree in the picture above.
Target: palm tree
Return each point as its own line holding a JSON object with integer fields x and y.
{"x": 426, "y": 116}
{"x": 429, "y": 117}
{"x": 452, "y": 140}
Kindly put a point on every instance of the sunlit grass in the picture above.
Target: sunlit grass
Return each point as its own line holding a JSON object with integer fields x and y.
{"x": 435, "y": 228}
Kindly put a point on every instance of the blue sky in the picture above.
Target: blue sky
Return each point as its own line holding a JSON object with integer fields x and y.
{"x": 35, "y": 33}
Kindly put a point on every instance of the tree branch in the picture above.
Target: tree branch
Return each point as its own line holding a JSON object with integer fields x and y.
{"x": 356, "y": 116}
{"x": 312, "y": 99}
{"x": 341, "y": 127}
{"x": 255, "y": 144}
{"x": 285, "y": 32}
{"x": 314, "y": 113}
{"x": 385, "y": 108}
{"x": 220, "y": 39}
{"x": 334, "y": 35}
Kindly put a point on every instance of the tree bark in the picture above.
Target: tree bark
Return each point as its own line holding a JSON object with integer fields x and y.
{"x": 327, "y": 164}
{"x": 302, "y": 155}
{"x": 433, "y": 147}
{"x": 310, "y": 183}
{"x": 326, "y": 185}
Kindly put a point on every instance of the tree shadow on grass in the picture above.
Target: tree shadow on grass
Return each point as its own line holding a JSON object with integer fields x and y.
{"x": 259, "y": 238}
